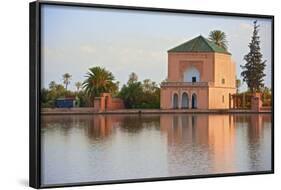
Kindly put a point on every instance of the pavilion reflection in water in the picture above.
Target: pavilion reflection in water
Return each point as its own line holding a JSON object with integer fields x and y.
{"x": 215, "y": 138}
{"x": 217, "y": 130}
{"x": 175, "y": 144}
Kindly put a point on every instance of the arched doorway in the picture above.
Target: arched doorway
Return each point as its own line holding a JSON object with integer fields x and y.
{"x": 184, "y": 101}
{"x": 194, "y": 101}
{"x": 175, "y": 101}
{"x": 191, "y": 75}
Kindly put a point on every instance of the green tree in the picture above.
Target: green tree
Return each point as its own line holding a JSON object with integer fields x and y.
{"x": 151, "y": 91}
{"x": 84, "y": 99}
{"x": 52, "y": 85}
{"x": 57, "y": 92}
{"x": 66, "y": 79}
{"x": 148, "y": 85}
{"x": 49, "y": 96}
{"x": 133, "y": 77}
{"x": 238, "y": 85}
{"x": 78, "y": 86}
{"x": 219, "y": 38}
{"x": 140, "y": 95}
{"x": 131, "y": 94}
{"x": 266, "y": 96}
{"x": 44, "y": 98}
{"x": 253, "y": 70}
{"x": 98, "y": 81}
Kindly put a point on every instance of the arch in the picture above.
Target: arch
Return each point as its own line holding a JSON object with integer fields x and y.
{"x": 191, "y": 75}
{"x": 175, "y": 101}
{"x": 194, "y": 101}
{"x": 184, "y": 100}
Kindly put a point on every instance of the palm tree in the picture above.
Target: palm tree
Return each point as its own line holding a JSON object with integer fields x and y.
{"x": 78, "y": 86}
{"x": 98, "y": 81}
{"x": 66, "y": 79}
{"x": 219, "y": 38}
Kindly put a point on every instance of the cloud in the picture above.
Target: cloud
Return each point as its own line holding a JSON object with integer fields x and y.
{"x": 86, "y": 48}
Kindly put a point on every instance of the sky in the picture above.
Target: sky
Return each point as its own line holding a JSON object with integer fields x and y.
{"x": 73, "y": 39}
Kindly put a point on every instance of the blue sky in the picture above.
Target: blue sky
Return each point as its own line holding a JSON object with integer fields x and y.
{"x": 75, "y": 39}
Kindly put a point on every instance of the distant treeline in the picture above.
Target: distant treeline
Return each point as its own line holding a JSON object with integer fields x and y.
{"x": 135, "y": 93}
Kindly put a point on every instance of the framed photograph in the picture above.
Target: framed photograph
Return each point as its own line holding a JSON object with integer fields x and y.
{"x": 124, "y": 94}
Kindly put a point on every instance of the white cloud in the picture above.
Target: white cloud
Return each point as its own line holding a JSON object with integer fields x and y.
{"x": 87, "y": 48}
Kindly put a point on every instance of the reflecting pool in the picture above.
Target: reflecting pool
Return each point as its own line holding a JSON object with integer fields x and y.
{"x": 84, "y": 148}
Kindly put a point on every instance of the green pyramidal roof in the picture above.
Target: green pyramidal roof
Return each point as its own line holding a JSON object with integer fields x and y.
{"x": 199, "y": 44}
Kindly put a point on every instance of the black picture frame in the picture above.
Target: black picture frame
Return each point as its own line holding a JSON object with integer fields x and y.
{"x": 35, "y": 80}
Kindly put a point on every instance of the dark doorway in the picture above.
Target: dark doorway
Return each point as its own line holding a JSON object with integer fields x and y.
{"x": 184, "y": 101}
{"x": 194, "y": 101}
{"x": 175, "y": 101}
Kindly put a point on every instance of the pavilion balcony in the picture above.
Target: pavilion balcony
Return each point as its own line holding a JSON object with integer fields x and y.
{"x": 186, "y": 84}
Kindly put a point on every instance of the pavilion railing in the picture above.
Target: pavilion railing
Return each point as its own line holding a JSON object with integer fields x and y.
{"x": 186, "y": 84}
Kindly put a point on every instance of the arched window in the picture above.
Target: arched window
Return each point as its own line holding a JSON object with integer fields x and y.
{"x": 194, "y": 101}
{"x": 175, "y": 101}
{"x": 191, "y": 75}
{"x": 184, "y": 100}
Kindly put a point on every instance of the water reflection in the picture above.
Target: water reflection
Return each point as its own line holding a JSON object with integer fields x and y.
{"x": 106, "y": 147}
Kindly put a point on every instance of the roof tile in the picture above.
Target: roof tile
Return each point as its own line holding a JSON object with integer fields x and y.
{"x": 199, "y": 44}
